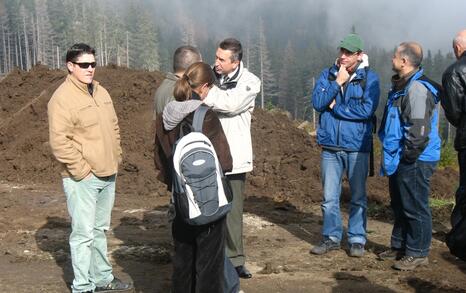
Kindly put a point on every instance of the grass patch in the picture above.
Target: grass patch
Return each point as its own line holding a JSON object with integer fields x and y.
{"x": 436, "y": 203}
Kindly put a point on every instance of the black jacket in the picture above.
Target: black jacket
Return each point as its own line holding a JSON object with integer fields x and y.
{"x": 454, "y": 100}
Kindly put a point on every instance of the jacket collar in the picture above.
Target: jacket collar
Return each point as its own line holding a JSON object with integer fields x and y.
{"x": 233, "y": 78}
{"x": 400, "y": 83}
{"x": 82, "y": 86}
{"x": 360, "y": 72}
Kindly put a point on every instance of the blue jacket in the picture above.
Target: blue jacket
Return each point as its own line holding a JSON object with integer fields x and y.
{"x": 408, "y": 131}
{"x": 348, "y": 126}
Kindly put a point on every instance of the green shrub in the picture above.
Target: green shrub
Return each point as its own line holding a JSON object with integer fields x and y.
{"x": 448, "y": 156}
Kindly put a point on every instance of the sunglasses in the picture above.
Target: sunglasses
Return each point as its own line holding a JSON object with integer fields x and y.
{"x": 85, "y": 65}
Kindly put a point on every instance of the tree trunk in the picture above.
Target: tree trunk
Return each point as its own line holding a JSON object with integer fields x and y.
{"x": 58, "y": 57}
{"x": 101, "y": 50}
{"x": 26, "y": 45}
{"x": 35, "y": 40}
{"x": 20, "y": 61}
{"x": 5, "y": 56}
{"x": 127, "y": 49}
{"x": 9, "y": 53}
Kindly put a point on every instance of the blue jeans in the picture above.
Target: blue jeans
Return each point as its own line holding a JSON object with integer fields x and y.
{"x": 90, "y": 202}
{"x": 333, "y": 165}
{"x": 409, "y": 192}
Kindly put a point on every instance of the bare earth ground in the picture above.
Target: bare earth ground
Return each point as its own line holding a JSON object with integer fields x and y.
{"x": 34, "y": 253}
{"x": 282, "y": 219}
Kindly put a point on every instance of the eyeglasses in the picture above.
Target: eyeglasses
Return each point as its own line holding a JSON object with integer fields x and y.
{"x": 85, "y": 65}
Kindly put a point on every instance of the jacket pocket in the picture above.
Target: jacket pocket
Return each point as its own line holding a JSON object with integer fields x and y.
{"x": 87, "y": 116}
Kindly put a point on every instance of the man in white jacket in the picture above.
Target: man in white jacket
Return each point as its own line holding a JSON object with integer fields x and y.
{"x": 233, "y": 98}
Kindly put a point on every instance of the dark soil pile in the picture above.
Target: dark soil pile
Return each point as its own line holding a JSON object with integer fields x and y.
{"x": 287, "y": 159}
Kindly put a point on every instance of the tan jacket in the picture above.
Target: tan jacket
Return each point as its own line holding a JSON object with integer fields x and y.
{"x": 83, "y": 130}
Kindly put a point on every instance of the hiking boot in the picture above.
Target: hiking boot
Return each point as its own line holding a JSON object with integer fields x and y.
{"x": 356, "y": 250}
{"x": 116, "y": 285}
{"x": 391, "y": 254}
{"x": 325, "y": 246}
{"x": 409, "y": 263}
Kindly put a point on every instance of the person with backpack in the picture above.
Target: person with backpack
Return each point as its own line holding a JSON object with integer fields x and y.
{"x": 346, "y": 95}
{"x": 198, "y": 263}
{"x": 454, "y": 84}
{"x": 410, "y": 152}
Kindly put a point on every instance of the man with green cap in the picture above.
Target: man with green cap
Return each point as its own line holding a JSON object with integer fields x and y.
{"x": 346, "y": 95}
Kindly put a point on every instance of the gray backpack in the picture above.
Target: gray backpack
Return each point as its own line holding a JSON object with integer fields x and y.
{"x": 200, "y": 191}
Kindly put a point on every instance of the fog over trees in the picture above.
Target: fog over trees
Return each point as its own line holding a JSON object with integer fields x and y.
{"x": 286, "y": 43}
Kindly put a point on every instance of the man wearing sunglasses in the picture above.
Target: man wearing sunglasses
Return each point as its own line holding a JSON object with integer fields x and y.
{"x": 85, "y": 139}
{"x": 346, "y": 95}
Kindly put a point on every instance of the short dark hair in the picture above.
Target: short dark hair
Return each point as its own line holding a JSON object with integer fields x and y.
{"x": 77, "y": 50}
{"x": 234, "y": 46}
{"x": 411, "y": 51}
{"x": 184, "y": 57}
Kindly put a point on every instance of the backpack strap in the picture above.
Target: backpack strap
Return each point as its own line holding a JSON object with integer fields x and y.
{"x": 198, "y": 119}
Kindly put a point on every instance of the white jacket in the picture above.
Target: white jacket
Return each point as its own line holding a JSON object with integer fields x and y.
{"x": 234, "y": 107}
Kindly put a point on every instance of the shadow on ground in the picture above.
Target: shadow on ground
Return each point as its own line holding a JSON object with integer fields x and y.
{"x": 53, "y": 238}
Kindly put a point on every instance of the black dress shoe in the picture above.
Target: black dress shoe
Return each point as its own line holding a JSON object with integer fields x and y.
{"x": 243, "y": 272}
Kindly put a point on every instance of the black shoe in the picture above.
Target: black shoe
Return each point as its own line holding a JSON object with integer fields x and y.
{"x": 116, "y": 285}
{"x": 243, "y": 272}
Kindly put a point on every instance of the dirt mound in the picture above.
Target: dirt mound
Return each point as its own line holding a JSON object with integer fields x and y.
{"x": 287, "y": 159}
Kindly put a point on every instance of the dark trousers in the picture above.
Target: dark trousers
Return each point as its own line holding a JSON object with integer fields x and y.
{"x": 198, "y": 264}
{"x": 234, "y": 238}
{"x": 409, "y": 192}
{"x": 460, "y": 196}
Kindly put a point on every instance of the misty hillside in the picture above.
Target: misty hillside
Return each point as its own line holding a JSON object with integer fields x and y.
{"x": 286, "y": 43}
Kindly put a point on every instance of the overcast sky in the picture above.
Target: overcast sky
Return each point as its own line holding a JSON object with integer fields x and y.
{"x": 433, "y": 23}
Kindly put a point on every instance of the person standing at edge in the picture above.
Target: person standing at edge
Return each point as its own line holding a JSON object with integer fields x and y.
{"x": 454, "y": 84}
{"x": 233, "y": 98}
{"x": 346, "y": 95}
{"x": 85, "y": 138}
{"x": 410, "y": 152}
{"x": 183, "y": 57}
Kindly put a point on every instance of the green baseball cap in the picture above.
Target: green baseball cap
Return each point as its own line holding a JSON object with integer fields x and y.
{"x": 352, "y": 43}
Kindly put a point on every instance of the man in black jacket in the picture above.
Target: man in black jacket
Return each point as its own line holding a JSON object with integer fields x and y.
{"x": 454, "y": 104}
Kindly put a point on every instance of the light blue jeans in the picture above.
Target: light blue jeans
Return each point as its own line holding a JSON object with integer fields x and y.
{"x": 90, "y": 202}
{"x": 333, "y": 165}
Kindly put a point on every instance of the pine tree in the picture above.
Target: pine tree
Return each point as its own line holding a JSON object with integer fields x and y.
{"x": 144, "y": 45}
{"x": 266, "y": 75}
{"x": 289, "y": 86}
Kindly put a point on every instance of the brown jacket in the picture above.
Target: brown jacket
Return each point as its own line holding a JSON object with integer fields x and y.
{"x": 83, "y": 130}
{"x": 164, "y": 140}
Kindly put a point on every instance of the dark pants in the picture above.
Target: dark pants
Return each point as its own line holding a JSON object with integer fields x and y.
{"x": 409, "y": 192}
{"x": 460, "y": 197}
{"x": 198, "y": 264}
{"x": 234, "y": 238}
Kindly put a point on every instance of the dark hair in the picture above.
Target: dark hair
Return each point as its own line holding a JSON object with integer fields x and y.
{"x": 411, "y": 51}
{"x": 234, "y": 46}
{"x": 196, "y": 75}
{"x": 77, "y": 50}
{"x": 185, "y": 56}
